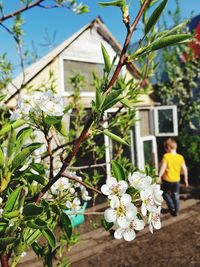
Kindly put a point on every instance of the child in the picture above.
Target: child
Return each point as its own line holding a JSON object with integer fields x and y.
{"x": 173, "y": 164}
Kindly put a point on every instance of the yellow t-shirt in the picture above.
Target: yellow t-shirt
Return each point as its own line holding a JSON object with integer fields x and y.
{"x": 173, "y": 170}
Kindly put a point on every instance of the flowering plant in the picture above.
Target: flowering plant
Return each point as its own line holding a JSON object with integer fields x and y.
{"x": 39, "y": 153}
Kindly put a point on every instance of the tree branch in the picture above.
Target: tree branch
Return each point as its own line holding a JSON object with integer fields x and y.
{"x": 23, "y": 9}
{"x": 4, "y": 260}
{"x": 73, "y": 177}
{"x": 88, "y": 124}
{"x": 123, "y": 57}
{"x": 86, "y": 167}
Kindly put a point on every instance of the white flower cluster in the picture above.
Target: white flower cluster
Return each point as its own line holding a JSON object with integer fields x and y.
{"x": 124, "y": 214}
{"x": 37, "y": 104}
{"x": 64, "y": 187}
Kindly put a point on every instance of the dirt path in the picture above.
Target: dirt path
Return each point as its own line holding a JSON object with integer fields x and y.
{"x": 177, "y": 245}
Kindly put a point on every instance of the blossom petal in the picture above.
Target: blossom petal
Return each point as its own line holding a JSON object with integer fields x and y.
{"x": 111, "y": 181}
{"x": 105, "y": 189}
{"x": 143, "y": 209}
{"x": 131, "y": 211}
{"x": 118, "y": 234}
{"x": 151, "y": 228}
{"x": 123, "y": 222}
{"x": 110, "y": 215}
{"x": 157, "y": 225}
{"x": 122, "y": 187}
{"x": 114, "y": 203}
{"x": 129, "y": 235}
{"x": 125, "y": 199}
{"x": 139, "y": 224}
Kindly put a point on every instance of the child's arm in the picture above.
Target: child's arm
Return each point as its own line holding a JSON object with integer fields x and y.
{"x": 185, "y": 173}
{"x": 162, "y": 170}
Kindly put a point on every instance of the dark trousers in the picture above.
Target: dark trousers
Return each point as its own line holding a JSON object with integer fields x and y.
{"x": 171, "y": 192}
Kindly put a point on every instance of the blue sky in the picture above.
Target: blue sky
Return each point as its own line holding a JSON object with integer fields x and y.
{"x": 64, "y": 23}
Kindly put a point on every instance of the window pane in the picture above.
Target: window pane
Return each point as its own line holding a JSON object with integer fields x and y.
{"x": 148, "y": 153}
{"x": 83, "y": 68}
{"x": 145, "y": 128}
{"x": 165, "y": 121}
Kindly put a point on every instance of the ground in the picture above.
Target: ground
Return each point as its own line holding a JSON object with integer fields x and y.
{"x": 175, "y": 245}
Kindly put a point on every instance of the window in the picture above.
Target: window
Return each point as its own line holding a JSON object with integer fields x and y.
{"x": 145, "y": 122}
{"x": 83, "y": 68}
{"x": 165, "y": 118}
{"x": 149, "y": 151}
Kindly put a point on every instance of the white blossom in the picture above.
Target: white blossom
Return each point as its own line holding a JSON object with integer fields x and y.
{"x": 139, "y": 180}
{"x": 60, "y": 185}
{"x": 1, "y": 212}
{"x": 121, "y": 211}
{"x": 154, "y": 220}
{"x": 84, "y": 194}
{"x": 114, "y": 188}
{"x": 151, "y": 198}
{"x": 128, "y": 233}
{"x": 48, "y": 103}
{"x": 74, "y": 205}
{"x": 1, "y": 200}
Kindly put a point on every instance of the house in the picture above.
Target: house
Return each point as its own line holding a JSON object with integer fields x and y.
{"x": 82, "y": 53}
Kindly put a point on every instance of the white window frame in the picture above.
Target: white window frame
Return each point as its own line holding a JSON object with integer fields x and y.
{"x": 154, "y": 147}
{"x": 175, "y": 120}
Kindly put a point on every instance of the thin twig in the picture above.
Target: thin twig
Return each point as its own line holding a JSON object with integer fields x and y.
{"x": 21, "y": 10}
{"x": 86, "y": 167}
{"x": 48, "y": 139}
{"x": 123, "y": 56}
{"x": 73, "y": 177}
{"x": 84, "y": 213}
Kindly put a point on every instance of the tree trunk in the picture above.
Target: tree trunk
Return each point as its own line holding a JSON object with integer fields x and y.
{"x": 4, "y": 260}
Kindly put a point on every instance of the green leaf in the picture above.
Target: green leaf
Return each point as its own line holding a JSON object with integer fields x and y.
{"x": 33, "y": 237}
{"x": 32, "y": 210}
{"x": 11, "y": 143}
{"x": 48, "y": 234}
{"x": 106, "y": 58}
{"x": 52, "y": 120}
{"x": 12, "y": 200}
{"x": 155, "y": 16}
{"x": 37, "y": 224}
{"x": 138, "y": 53}
{"x": 106, "y": 225}
{"x": 99, "y": 98}
{"x": 3, "y": 226}
{"x": 118, "y": 3}
{"x": 118, "y": 171}
{"x": 38, "y": 167}
{"x": 22, "y": 136}
{"x": 34, "y": 177}
{"x": 37, "y": 249}
{"x": 24, "y": 154}
{"x": 66, "y": 223}
{"x": 169, "y": 40}
{"x": 14, "y": 125}
{"x": 111, "y": 99}
{"x": 115, "y": 137}
{"x": 2, "y": 97}
{"x": 1, "y": 158}
{"x": 11, "y": 214}
{"x": 60, "y": 127}
{"x": 126, "y": 103}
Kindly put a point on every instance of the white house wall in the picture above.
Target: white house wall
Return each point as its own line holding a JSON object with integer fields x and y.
{"x": 87, "y": 47}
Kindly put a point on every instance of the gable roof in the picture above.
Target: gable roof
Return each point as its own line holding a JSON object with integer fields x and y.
{"x": 37, "y": 67}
